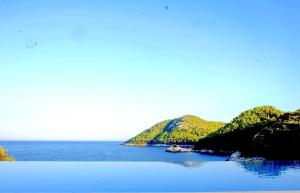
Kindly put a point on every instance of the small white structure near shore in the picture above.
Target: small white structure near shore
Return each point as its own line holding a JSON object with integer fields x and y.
{"x": 177, "y": 149}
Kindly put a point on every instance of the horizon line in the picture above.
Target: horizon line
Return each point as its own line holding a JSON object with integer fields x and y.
{"x": 63, "y": 140}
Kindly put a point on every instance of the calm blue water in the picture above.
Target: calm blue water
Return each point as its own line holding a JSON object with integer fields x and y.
{"x": 95, "y": 151}
{"x": 145, "y": 177}
{"x": 110, "y": 167}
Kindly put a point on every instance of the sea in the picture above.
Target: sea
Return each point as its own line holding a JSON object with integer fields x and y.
{"x": 96, "y": 151}
{"x": 108, "y": 166}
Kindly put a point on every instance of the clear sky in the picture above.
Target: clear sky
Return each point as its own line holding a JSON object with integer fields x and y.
{"x": 102, "y": 70}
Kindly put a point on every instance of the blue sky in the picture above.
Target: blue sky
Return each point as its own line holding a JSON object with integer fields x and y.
{"x": 110, "y": 69}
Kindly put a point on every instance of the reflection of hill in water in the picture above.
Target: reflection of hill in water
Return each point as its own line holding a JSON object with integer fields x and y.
{"x": 269, "y": 168}
{"x": 190, "y": 164}
{"x": 260, "y": 168}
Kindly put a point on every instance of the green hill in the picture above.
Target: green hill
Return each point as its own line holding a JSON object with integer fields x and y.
{"x": 183, "y": 130}
{"x": 264, "y": 131}
{"x": 4, "y": 156}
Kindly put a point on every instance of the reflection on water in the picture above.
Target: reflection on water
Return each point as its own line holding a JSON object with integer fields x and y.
{"x": 189, "y": 164}
{"x": 269, "y": 168}
{"x": 259, "y": 168}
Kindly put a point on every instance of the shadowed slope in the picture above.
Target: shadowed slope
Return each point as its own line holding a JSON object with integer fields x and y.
{"x": 261, "y": 131}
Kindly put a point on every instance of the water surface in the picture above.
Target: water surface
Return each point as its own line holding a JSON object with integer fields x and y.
{"x": 95, "y": 151}
{"x": 81, "y": 166}
{"x": 147, "y": 176}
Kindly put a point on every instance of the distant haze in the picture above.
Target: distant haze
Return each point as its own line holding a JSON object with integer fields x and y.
{"x": 107, "y": 70}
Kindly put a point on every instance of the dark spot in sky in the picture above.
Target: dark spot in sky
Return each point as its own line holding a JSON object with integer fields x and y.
{"x": 166, "y": 7}
{"x": 19, "y": 31}
{"x": 143, "y": 12}
{"x": 258, "y": 60}
{"x": 30, "y": 43}
{"x": 78, "y": 33}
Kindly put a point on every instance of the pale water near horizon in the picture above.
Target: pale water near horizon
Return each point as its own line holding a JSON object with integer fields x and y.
{"x": 111, "y": 167}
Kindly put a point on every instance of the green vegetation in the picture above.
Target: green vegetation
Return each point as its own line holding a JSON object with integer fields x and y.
{"x": 4, "y": 156}
{"x": 262, "y": 131}
{"x": 281, "y": 139}
{"x": 148, "y": 135}
{"x": 184, "y": 130}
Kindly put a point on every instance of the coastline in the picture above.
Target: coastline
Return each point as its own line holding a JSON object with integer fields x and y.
{"x": 141, "y": 145}
{"x": 157, "y": 145}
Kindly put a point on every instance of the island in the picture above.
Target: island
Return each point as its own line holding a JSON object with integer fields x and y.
{"x": 260, "y": 133}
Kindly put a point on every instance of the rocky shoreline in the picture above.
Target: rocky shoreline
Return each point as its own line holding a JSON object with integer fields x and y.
{"x": 234, "y": 156}
{"x": 190, "y": 148}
